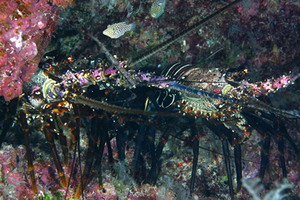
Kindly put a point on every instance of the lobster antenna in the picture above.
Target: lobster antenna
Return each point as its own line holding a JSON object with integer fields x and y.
{"x": 178, "y": 36}
{"x": 117, "y": 109}
{"x": 115, "y": 63}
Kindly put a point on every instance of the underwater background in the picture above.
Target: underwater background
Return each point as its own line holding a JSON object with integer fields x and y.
{"x": 157, "y": 99}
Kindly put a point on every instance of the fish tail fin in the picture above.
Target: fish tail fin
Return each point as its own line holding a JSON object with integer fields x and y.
{"x": 132, "y": 26}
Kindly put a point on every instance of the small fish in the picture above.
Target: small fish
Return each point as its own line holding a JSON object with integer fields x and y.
{"x": 157, "y": 8}
{"x": 118, "y": 29}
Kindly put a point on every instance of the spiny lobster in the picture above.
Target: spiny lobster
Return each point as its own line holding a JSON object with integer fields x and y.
{"x": 230, "y": 109}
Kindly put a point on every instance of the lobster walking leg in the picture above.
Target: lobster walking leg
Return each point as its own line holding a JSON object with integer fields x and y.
{"x": 224, "y": 134}
{"x": 283, "y": 131}
{"x": 159, "y": 148}
{"x": 97, "y": 138}
{"x": 195, "y": 157}
{"x": 238, "y": 165}
{"x": 93, "y": 137}
{"x": 153, "y": 171}
{"x": 164, "y": 139}
{"x": 28, "y": 151}
{"x": 226, "y": 153}
{"x": 55, "y": 156}
{"x": 121, "y": 140}
{"x": 162, "y": 142}
{"x": 264, "y": 161}
{"x": 109, "y": 149}
{"x": 281, "y": 146}
{"x": 79, "y": 191}
{"x": 266, "y": 131}
{"x": 62, "y": 140}
{"x": 138, "y": 146}
{"x": 103, "y": 132}
{"x": 280, "y": 133}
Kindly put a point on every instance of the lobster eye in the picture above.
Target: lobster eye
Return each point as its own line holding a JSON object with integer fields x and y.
{"x": 37, "y": 92}
{"x": 45, "y": 66}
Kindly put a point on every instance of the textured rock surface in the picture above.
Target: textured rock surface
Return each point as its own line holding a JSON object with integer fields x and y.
{"x": 260, "y": 35}
{"x": 26, "y": 27}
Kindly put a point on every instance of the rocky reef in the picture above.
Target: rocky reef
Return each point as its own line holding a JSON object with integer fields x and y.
{"x": 26, "y": 30}
{"x": 86, "y": 116}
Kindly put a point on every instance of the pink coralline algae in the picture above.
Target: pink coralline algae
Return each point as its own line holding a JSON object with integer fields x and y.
{"x": 15, "y": 182}
{"x": 26, "y": 27}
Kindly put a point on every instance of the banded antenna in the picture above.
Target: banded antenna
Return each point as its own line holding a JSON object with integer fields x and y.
{"x": 180, "y": 35}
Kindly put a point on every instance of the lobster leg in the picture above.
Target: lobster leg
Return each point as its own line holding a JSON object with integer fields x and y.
{"x": 159, "y": 149}
{"x": 238, "y": 165}
{"x": 90, "y": 155}
{"x": 55, "y": 156}
{"x": 93, "y": 165}
{"x": 266, "y": 131}
{"x": 223, "y": 133}
{"x": 233, "y": 138}
{"x": 281, "y": 146}
{"x": 98, "y": 163}
{"x": 195, "y": 157}
{"x": 163, "y": 139}
{"x": 121, "y": 140}
{"x": 109, "y": 149}
{"x": 28, "y": 151}
{"x": 79, "y": 190}
{"x": 153, "y": 171}
{"x": 162, "y": 142}
{"x": 138, "y": 146}
{"x": 264, "y": 162}
{"x": 62, "y": 140}
{"x": 283, "y": 131}
{"x": 228, "y": 166}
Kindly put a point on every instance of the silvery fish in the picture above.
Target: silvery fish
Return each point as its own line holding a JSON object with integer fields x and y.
{"x": 118, "y": 29}
{"x": 157, "y": 8}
